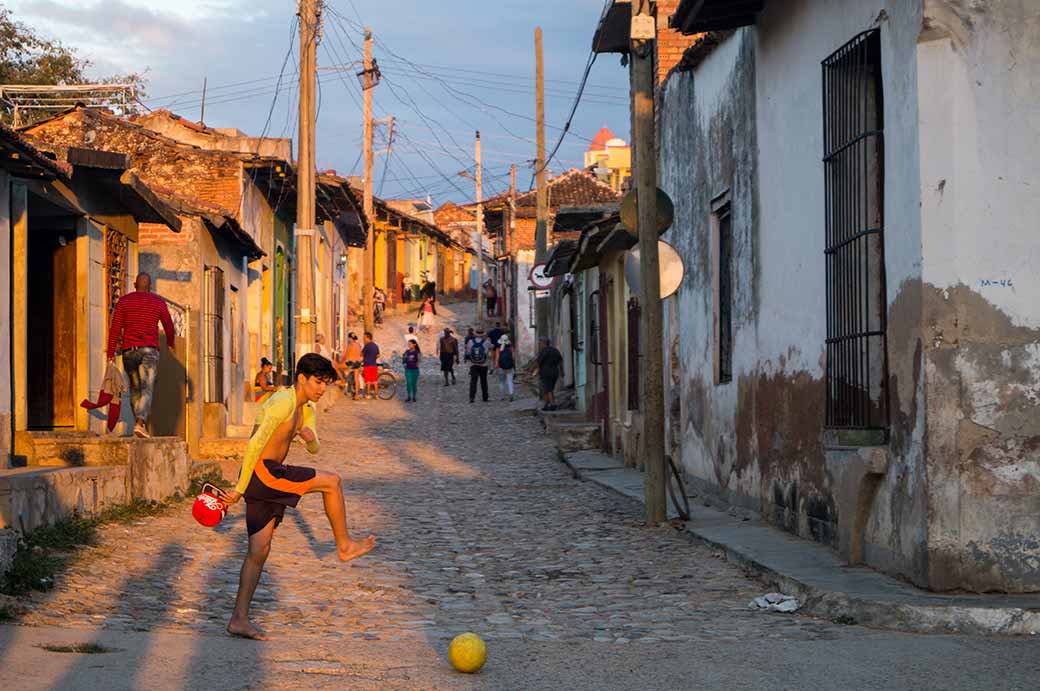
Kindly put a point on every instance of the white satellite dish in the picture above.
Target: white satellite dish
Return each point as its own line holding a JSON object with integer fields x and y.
{"x": 671, "y": 264}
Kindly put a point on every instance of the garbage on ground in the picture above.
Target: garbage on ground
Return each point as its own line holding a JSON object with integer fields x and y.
{"x": 775, "y": 602}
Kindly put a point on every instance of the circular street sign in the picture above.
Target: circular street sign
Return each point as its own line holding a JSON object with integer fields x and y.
{"x": 538, "y": 278}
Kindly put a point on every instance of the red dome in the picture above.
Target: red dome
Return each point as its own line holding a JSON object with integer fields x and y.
{"x": 599, "y": 142}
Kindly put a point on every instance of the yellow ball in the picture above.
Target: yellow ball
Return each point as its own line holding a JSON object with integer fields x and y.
{"x": 467, "y": 653}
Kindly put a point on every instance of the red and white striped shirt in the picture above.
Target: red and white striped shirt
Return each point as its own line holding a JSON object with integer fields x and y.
{"x": 136, "y": 318}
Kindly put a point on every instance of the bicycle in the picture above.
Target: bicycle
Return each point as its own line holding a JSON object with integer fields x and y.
{"x": 387, "y": 383}
{"x": 677, "y": 491}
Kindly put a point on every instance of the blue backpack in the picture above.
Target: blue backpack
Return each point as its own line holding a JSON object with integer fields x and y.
{"x": 478, "y": 352}
{"x": 505, "y": 358}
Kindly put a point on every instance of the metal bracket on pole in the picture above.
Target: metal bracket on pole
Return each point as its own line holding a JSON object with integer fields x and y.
{"x": 308, "y": 232}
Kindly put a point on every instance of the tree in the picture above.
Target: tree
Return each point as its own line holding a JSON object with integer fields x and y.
{"x": 26, "y": 57}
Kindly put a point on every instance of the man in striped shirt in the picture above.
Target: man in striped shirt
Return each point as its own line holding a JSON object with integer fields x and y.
{"x": 135, "y": 329}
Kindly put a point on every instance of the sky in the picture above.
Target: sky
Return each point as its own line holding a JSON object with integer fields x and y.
{"x": 449, "y": 67}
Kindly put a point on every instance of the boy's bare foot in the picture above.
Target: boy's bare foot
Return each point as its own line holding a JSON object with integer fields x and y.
{"x": 356, "y": 548}
{"x": 245, "y": 629}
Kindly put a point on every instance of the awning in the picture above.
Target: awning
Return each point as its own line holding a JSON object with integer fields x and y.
{"x": 613, "y": 29}
{"x": 588, "y": 254}
{"x": 559, "y": 261}
{"x": 698, "y": 16}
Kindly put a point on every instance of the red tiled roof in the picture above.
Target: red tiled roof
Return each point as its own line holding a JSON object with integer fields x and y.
{"x": 573, "y": 188}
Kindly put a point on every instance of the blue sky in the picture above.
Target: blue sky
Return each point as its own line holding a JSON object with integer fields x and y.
{"x": 449, "y": 66}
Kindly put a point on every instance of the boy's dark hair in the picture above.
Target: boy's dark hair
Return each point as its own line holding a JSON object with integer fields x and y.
{"x": 368, "y": 335}
{"x": 314, "y": 365}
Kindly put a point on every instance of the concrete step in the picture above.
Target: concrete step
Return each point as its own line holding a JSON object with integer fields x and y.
{"x": 221, "y": 449}
{"x": 227, "y": 469}
{"x": 577, "y": 436}
{"x": 239, "y": 431}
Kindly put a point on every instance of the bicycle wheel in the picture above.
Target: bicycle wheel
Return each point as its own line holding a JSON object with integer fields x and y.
{"x": 387, "y": 386}
{"x": 677, "y": 491}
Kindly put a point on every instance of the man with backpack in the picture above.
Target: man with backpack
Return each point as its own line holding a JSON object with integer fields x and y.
{"x": 477, "y": 354}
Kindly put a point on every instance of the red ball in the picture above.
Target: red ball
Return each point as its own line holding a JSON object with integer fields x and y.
{"x": 208, "y": 509}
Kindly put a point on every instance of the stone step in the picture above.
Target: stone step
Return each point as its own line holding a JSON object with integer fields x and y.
{"x": 577, "y": 436}
{"x": 222, "y": 449}
{"x": 227, "y": 469}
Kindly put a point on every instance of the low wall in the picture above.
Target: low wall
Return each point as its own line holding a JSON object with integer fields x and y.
{"x": 34, "y": 497}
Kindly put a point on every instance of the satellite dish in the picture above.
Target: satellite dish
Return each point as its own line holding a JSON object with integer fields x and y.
{"x": 671, "y": 265}
{"x": 630, "y": 211}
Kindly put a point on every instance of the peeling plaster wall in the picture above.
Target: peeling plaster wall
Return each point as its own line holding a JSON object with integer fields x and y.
{"x": 953, "y": 500}
{"x": 979, "y": 121}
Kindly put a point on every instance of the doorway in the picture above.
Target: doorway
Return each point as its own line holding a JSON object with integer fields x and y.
{"x": 51, "y": 334}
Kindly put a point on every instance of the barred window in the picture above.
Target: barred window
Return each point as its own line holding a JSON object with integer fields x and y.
{"x": 853, "y": 129}
{"x": 214, "y": 329}
{"x": 634, "y": 313}
{"x": 722, "y": 287}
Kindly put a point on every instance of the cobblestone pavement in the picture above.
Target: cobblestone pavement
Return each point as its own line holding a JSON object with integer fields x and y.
{"x": 480, "y": 528}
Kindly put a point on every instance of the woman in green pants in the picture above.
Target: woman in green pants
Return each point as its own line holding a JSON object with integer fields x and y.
{"x": 411, "y": 359}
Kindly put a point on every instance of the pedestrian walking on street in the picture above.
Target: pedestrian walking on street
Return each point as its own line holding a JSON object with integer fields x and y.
{"x": 135, "y": 330}
{"x": 470, "y": 335}
{"x": 269, "y": 486}
{"x": 322, "y": 349}
{"x": 549, "y": 363}
{"x": 411, "y": 358}
{"x": 477, "y": 354}
{"x": 490, "y": 297}
{"x": 448, "y": 352}
{"x": 370, "y": 367}
{"x": 353, "y": 361}
{"x": 425, "y": 315}
{"x": 378, "y": 305}
{"x": 506, "y": 367}
{"x": 494, "y": 335}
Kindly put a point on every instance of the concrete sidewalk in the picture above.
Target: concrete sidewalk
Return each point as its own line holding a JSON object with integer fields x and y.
{"x": 823, "y": 583}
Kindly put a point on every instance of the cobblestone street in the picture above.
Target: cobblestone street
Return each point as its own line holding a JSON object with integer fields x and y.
{"x": 481, "y": 528}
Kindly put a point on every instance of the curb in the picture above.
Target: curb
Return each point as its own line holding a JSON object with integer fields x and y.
{"x": 903, "y": 611}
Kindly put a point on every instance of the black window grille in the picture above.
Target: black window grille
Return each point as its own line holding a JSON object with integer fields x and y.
{"x": 214, "y": 324}
{"x": 594, "y": 331}
{"x": 853, "y": 128}
{"x": 724, "y": 225}
{"x": 634, "y": 313}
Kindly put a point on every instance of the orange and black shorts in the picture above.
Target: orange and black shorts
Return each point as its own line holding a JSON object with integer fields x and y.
{"x": 273, "y": 487}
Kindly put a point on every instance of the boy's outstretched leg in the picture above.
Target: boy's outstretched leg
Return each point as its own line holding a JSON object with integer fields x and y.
{"x": 331, "y": 488}
{"x": 249, "y": 577}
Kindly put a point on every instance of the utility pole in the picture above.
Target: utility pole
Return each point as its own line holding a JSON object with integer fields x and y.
{"x": 510, "y": 232}
{"x": 480, "y": 233}
{"x": 541, "y": 231}
{"x": 367, "y": 285}
{"x": 305, "y": 186}
{"x": 652, "y": 360}
{"x": 202, "y": 113}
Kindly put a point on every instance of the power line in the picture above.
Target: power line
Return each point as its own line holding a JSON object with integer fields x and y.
{"x": 570, "y": 118}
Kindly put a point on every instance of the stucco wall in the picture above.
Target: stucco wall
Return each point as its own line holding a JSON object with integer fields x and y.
{"x": 951, "y": 500}
{"x": 978, "y": 79}
{"x": 5, "y": 320}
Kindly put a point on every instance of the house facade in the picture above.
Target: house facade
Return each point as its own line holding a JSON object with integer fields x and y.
{"x": 854, "y": 345}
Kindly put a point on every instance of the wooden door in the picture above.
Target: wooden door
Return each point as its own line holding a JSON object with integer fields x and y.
{"x": 51, "y": 357}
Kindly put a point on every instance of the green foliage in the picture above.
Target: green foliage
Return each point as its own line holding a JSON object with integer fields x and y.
{"x": 27, "y": 57}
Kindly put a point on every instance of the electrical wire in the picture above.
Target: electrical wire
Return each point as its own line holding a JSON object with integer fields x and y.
{"x": 570, "y": 118}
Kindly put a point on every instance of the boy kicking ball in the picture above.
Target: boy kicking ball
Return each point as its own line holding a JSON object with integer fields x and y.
{"x": 268, "y": 485}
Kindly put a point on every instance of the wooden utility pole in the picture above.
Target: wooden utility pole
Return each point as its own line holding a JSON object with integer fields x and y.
{"x": 541, "y": 229}
{"x": 510, "y": 232}
{"x": 652, "y": 360}
{"x": 305, "y": 185}
{"x": 368, "y": 275}
{"x": 202, "y": 111}
{"x": 480, "y": 232}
